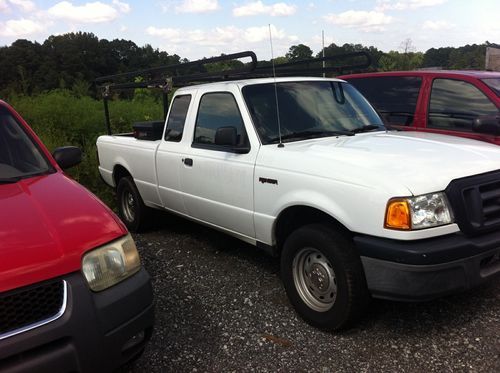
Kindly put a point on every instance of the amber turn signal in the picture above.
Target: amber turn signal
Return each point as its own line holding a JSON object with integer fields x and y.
{"x": 397, "y": 215}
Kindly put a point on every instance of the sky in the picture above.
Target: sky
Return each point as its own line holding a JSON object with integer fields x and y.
{"x": 202, "y": 28}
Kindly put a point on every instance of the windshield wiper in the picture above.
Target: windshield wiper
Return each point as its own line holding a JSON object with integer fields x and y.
{"x": 9, "y": 180}
{"x": 36, "y": 173}
{"x": 303, "y": 135}
{"x": 369, "y": 127}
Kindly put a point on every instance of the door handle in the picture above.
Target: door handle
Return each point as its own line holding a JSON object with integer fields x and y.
{"x": 188, "y": 162}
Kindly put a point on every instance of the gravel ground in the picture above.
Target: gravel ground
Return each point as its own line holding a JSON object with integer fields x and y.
{"x": 220, "y": 306}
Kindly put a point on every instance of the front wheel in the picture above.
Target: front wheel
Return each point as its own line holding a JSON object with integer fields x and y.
{"x": 134, "y": 213}
{"x": 323, "y": 276}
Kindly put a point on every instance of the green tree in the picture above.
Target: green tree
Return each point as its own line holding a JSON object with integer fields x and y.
{"x": 437, "y": 57}
{"x": 299, "y": 52}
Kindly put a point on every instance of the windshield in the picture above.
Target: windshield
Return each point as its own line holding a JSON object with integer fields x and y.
{"x": 19, "y": 156}
{"x": 308, "y": 109}
{"x": 494, "y": 84}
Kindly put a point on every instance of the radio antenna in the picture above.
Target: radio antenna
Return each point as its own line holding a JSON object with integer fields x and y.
{"x": 280, "y": 145}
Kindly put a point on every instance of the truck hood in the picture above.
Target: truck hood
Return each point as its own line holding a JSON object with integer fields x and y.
{"x": 403, "y": 162}
{"x": 46, "y": 224}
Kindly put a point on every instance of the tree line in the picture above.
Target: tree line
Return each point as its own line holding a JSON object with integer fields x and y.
{"x": 73, "y": 60}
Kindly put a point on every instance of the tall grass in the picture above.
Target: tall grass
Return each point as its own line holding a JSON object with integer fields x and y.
{"x": 61, "y": 118}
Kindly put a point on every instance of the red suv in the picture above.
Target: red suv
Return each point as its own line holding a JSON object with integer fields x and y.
{"x": 460, "y": 103}
{"x": 73, "y": 293}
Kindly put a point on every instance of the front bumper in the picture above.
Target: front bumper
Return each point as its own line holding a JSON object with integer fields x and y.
{"x": 426, "y": 269}
{"x": 98, "y": 332}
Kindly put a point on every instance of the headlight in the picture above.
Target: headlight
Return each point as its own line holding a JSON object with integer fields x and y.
{"x": 429, "y": 210}
{"x": 111, "y": 263}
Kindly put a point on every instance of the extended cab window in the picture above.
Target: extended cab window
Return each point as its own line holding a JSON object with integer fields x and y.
{"x": 394, "y": 97}
{"x": 218, "y": 111}
{"x": 177, "y": 118}
{"x": 455, "y": 104}
{"x": 19, "y": 156}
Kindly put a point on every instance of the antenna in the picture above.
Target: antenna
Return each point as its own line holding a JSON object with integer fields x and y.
{"x": 280, "y": 145}
{"x": 323, "y": 39}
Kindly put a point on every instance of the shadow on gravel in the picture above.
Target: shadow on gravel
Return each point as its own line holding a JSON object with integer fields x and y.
{"x": 215, "y": 241}
{"x": 203, "y": 280}
{"x": 412, "y": 317}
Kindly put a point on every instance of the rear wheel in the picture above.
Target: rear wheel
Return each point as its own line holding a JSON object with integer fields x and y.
{"x": 323, "y": 276}
{"x": 134, "y": 213}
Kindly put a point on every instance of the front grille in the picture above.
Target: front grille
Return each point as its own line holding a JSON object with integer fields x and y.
{"x": 476, "y": 202}
{"x": 32, "y": 306}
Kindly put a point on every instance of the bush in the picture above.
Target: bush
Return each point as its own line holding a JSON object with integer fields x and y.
{"x": 60, "y": 118}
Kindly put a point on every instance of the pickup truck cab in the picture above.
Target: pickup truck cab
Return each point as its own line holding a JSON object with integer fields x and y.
{"x": 73, "y": 294}
{"x": 305, "y": 169}
{"x": 459, "y": 103}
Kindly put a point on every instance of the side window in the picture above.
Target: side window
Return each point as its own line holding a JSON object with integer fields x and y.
{"x": 177, "y": 118}
{"x": 218, "y": 111}
{"x": 455, "y": 104}
{"x": 394, "y": 97}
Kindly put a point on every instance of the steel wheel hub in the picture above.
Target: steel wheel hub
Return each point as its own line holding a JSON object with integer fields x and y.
{"x": 314, "y": 279}
{"x": 128, "y": 206}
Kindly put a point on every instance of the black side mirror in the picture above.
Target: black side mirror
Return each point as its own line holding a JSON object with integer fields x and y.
{"x": 487, "y": 124}
{"x": 67, "y": 156}
{"x": 226, "y": 136}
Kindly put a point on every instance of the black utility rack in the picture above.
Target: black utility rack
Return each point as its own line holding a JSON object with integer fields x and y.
{"x": 165, "y": 78}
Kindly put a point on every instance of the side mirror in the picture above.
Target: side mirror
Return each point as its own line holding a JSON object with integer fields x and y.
{"x": 67, "y": 156}
{"x": 226, "y": 136}
{"x": 487, "y": 124}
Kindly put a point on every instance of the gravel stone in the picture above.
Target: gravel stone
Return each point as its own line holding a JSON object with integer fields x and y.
{"x": 220, "y": 306}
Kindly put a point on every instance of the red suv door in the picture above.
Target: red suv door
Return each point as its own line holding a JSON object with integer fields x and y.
{"x": 454, "y": 103}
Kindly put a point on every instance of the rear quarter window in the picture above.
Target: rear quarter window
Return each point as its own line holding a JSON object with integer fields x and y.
{"x": 394, "y": 97}
{"x": 177, "y": 118}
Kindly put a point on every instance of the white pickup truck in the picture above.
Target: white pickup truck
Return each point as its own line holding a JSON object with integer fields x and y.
{"x": 304, "y": 168}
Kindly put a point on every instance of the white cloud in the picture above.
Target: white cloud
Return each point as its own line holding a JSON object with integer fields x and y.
{"x": 437, "y": 25}
{"x": 258, "y": 34}
{"x": 95, "y": 12}
{"x": 258, "y": 7}
{"x": 197, "y": 6}
{"x": 219, "y": 36}
{"x": 4, "y": 6}
{"x": 122, "y": 7}
{"x": 383, "y": 5}
{"x": 20, "y": 27}
{"x": 363, "y": 20}
{"x": 24, "y": 5}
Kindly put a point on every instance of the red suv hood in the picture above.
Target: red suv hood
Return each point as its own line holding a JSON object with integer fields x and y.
{"x": 46, "y": 224}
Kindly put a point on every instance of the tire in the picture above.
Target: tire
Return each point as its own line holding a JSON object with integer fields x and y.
{"x": 133, "y": 212}
{"x": 323, "y": 277}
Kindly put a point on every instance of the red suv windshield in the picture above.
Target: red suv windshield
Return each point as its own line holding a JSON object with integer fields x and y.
{"x": 19, "y": 156}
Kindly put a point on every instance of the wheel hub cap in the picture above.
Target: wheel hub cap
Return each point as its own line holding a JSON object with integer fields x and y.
{"x": 319, "y": 277}
{"x": 314, "y": 279}
{"x": 128, "y": 206}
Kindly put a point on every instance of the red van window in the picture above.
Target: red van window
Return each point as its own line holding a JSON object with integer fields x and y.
{"x": 454, "y": 104}
{"x": 394, "y": 97}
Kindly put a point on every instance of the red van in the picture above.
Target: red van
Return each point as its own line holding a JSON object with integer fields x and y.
{"x": 73, "y": 293}
{"x": 460, "y": 103}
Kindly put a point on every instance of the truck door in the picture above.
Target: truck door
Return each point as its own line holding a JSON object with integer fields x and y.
{"x": 218, "y": 169}
{"x": 169, "y": 155}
